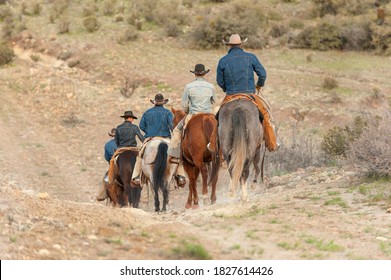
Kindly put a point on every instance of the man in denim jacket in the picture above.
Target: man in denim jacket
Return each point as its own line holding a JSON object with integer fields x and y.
{"x": 156, "y": 121}
{"x": 235, "y": 75}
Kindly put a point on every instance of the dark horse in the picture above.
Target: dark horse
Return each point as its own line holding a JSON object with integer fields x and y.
{"x": 240, "y": 136}
{"x": 122, "y": 192}
{"x": 201, "y": 130}
{"x": 157, "y": 170}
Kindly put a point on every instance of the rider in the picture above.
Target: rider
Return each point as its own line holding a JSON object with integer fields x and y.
{"x": 235, "y": 75}
{"x": 198, "y": 97}
{"x": 156, "y": 121}
{"x": 110, "y": 148}
{"x": 126, "y": 132}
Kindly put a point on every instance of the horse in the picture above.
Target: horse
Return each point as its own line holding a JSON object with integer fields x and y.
{"x": 157, "y": 170}
{"x": 122, "y": 192}
{"x": 197, "y": 158}
{"x": 240, "y": 136}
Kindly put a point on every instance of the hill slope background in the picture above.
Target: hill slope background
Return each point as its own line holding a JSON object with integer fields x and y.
{"x": 54, "y": 121}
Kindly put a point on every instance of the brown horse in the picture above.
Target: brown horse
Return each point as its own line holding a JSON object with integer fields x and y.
{"x": 121, "y": 192}
{"x": 201, "y": 130}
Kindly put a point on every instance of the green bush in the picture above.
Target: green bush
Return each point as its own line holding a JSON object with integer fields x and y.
{"x": 330, "y": 83}
{"x": 356, "y": 36}
{"x": 91, "y": 23}
{"x": 6, "y": 54}
{"x": 381, "y": 39}
{"x": 323, "y": 37}
{"x": 337, "y": 140}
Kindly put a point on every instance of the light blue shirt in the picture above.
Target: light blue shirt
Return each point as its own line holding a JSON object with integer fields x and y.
{"x": 198, "y": 97}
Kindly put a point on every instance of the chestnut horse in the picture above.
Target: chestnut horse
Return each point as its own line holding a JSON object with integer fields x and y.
{"x": 201, "y": 130}
{"x": 121, "y": 192}
{"x": 240, "y": 136}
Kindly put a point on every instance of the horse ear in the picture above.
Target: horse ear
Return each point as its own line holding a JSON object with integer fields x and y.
{"x": 173, "y": 110}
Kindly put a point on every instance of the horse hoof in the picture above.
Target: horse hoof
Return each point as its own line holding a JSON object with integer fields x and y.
{"x": 206, "y": 201}
{"x": 253, "y": 186}
{"x": 195, "y": 207}
{"x": 187, "y": 206}
{"x": 231, "y": 194}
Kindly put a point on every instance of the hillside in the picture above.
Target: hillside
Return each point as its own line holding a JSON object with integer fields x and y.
{"x": 54, "y": 121}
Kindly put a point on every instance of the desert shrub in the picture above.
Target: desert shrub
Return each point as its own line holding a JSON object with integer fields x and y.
{"x": 372, "y": 150}
{"x": 167, "y": 11}
{"x": 210, "y": 30}
{"x": 90, "y": 8}
{"x": 324, "y": 7}
{"x": 381, "y": 39}
{"x": 91, "y": 23}
{"x": 119, "y": 18}
{"x": 35, "y": 57}
{"x": 298, "y": 151}
{"x": 130, "y": 34}
{"x": 337, "y": 140}
{"x": 278, "y": 30}
{"x": 2, "y": 2}
{"x": 324, "y": 36}
{"x": 172, "y": 29}
{"x": 63, "y": 25}
{"x": 6, "y": 54}
{"x": 108, "y": 7}
{"x": 356, "y": 36}
{"x": 329, "y": 83}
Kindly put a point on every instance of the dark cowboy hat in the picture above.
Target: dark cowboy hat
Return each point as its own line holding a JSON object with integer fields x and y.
{"x": 159, "y": 100}
{"x": 235, "y": 40}
{"x": 199, "y": 69}
{"x": 112, "y": 132}
{"x": 129, "y": 114}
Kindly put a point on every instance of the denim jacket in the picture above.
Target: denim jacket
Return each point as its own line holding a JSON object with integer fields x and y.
{"x": 157, "y": 121}
{"x": 125, "y": 136}
{"x": 235, "y": 72}
{"x": 198, "y": 96}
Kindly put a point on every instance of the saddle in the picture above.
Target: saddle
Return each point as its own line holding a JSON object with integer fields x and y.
{"x": 113, "y": 161}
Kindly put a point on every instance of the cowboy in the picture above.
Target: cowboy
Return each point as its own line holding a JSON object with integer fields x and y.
{"x": 198, "y": 97}
{"x": 125, "y": 135}
{"x": 155, "y": 122}
{"x": 235, "y": 75}
{"x": 110, "y": 146}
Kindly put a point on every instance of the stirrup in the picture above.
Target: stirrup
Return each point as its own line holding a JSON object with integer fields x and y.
{"x": 180, "y": 180}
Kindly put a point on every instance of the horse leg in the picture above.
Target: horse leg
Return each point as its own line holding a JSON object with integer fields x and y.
{"x": 128, "y": 195}
{"x": 231, "y": 188}
{"x": 190, "y": 173}
{"x": 136, "y": 194}
{"x": 156, "y": 198}
{"x": 257, "y": 169}
{"x": 243, "y": 183}
{"x": 213, "y": 194}
{"x": 204, "y": 174}
{"x": 165, "y": 197}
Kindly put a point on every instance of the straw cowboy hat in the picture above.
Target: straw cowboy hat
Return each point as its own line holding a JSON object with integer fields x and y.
{"x": 235, "y": 40}
{"x": 112, "y": 132}
{"x": 159, "y": 100}
{"x": 199, "y": 69}
{"x": 128, "y": 114}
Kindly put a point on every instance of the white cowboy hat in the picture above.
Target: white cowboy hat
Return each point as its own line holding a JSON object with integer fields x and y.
{"x": 235, "y": 40}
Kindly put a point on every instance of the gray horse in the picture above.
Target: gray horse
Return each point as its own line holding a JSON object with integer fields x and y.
{"x": 157, "y": 170}
{"x": 240, "y": 137}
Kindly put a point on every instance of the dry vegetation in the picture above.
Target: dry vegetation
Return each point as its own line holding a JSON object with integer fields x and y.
{"x": 68, "y": 70}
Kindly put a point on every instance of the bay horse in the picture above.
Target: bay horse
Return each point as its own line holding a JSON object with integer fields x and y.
{"x": 240, "y": 135}
{"x": 157, "y": 170}
{"x": 197, "y": 158}
{"x": 122, "y": 192}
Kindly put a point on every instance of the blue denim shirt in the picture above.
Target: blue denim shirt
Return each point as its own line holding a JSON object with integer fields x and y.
{"x": 198, "y": 97}
{"x": 235, "y": 72}
{"x": 110, "y": 148}
{"x": 157, "y": 121}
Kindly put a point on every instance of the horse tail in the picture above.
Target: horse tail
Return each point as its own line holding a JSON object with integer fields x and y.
{"x": 160, "y": 164}
{"x": 210, "y": 128}
{"x": 238, "y": 153}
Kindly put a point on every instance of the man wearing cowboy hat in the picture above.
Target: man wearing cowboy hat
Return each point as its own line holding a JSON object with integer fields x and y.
{"x": 198, "y": 97}
{"x": 235, "y": 75}
{"x": 156, "y": 121}
{"x": 125, "y": 136}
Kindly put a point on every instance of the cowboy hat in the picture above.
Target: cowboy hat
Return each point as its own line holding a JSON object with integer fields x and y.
{"x": 199, "y": 69}
{"x": 159, "y": 99}
{"x": 128, "y": 114}
{"x": 112, "y": 132}
{"x": 234, "y": 40}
